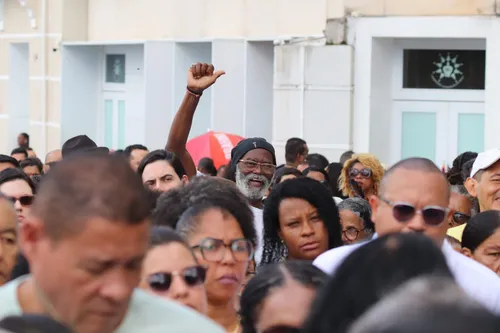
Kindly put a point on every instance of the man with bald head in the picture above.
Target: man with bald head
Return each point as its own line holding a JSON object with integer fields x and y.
{"x": 52, "y": 158}
{"x": 8, "y": 239}
{"x": 414, "y": 196}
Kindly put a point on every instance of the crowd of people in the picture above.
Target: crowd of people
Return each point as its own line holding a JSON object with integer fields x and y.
{"x": 100, "y": 241}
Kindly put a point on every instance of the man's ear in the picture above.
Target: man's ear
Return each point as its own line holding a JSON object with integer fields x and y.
{"x": 29, "y": 234}
{"x": 374, "y": 202}
{"x": 466, "y": 252}
{"x": 185, "y": 180}
{"x": 470, "y": 185}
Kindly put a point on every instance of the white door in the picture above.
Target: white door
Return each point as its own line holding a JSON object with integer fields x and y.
{"x": 436, "y": 130}
{"x": 112, "y": 120}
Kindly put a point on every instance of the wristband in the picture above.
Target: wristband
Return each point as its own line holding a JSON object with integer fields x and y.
{"x": 189, "y": 91}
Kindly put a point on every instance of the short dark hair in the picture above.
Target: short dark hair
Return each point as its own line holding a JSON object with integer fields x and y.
{"x": 388, "y": 261}
{"x": 467, "y": 169}
{"x": 317, "y": 160}
{"x": 90, "y": 185}
{"x": 454, "y": 174}
{"x": 346, "y": 156}
{"x": 19, "y": 150}
{"x": 207, "y": 164}
{"x": 32, "y": 161}
{"x": 162, "y": 155}
{"x": 416, "y": 164}
{"x": 303, "y": 188}
{"x": 11, "y": 174}
{"x": 26, "y": 136}
{"x": 479, "y": 228}
{"x": 163, "y": 235}
{"x": 206, "y": 193}
{"x": 129, "y": 149}
{"x": 284, "y": 171}
{"x": 271, "y": 277}
{"x": 10, "y": 160}
{"x": 294, "y": 147}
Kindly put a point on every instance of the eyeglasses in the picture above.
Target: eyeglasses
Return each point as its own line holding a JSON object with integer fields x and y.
{"x": 25, "y": 200}
{"x": 192, "y": 276}
{"x": 460, "y": 218}
{"x": 403, "y": 212}
{"x": 351, "y": 233}
{"x": 252, "y": 166}
{"x": 214, "y": 249}
{"x": 365, "y": 173}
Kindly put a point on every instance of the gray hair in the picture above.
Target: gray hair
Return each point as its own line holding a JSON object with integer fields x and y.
{"x": 426, "y": 304}
{"x": 361, "y": 208}
{"x": 460, "y": 189}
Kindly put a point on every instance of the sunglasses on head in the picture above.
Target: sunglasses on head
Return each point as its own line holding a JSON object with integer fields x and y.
{"x": 404, "y": 212}
{"x": 460, "y": 218}
{"x": 365, "y": 173}
{"x": 25, "y": 200}
{"x": 192, "y": 276}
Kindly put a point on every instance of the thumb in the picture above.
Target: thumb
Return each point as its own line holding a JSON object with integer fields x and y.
{"x": 218, "y": 74}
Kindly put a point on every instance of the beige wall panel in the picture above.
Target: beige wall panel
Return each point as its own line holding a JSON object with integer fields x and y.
{"x": 224, "y": 18}
{"x": 53, "y": 102}
{"x": 16, "y": 19}
{"x": 53, "y": 58}
{"x": 129, "y": 19}
{"x": 53, "y": 138}
{"x": 35, "y": 102}
{"x": 188, "y": 23}
{"x": 55, "y": 16}
{"x": 301, "y": 17}
{"x": 4, "y": 56}
{"x": 4, "y": 136}
{"x": 75, "y": 19}
{"x": 4, "y": 97}
{"x": 36, "y": 59}
{"x": 36, "y": 138}
{"x": 440, "y": 7}
{"x": 366, "y": 7}
{"x": 260, "y": 18}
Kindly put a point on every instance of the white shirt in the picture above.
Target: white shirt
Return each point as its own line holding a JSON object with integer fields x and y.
{"x": 146, "y": 313}
{"x": 258, "y": 222}
{"x": 476, "y": 280}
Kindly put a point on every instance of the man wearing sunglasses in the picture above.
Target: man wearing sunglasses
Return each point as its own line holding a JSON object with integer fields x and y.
{"x": 414, "y": 196}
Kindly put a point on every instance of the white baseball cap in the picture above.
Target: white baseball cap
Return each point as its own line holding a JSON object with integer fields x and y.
{"x": 484, "y": 160}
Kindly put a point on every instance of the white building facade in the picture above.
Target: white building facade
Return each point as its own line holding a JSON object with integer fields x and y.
{"x": 393, "y": 78}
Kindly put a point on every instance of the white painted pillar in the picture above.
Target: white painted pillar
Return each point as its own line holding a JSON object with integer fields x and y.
{"x": 492, "y": 87}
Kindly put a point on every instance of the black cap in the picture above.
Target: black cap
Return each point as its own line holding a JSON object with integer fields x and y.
{"x": 246, "y": 145}
{"x": 81, "y": 144}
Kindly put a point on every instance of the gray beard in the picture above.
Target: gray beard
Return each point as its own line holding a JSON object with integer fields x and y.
{"x": 251, "y": 193}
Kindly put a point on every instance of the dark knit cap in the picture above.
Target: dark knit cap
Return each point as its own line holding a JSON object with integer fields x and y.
{"x": 246, "y": 145}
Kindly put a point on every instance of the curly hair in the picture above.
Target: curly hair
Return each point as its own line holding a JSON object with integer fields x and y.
{"x": 207, "y": 192}
{"x": 369, "y": 161}
{"x": 302, "y": 188}
{"x": 271, "y": 277}
{"x": 454, "y": 175}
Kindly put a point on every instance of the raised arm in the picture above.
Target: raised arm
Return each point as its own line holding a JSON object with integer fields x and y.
{"x": 200, "y": 77}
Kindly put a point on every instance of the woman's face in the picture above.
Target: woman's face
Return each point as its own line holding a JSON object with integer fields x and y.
{"x": 353, "y": 229}
{"x": 19, "y": 190}
{"x": 366, "y": 183}
{"x": 488, "y": 253}
{"x": 8, "y": 241}
{"x": 302, "y": 229}
{"x": 179, "y": 259}
{"x": 285, "y": 307}
{"x": 225, "y": 276}
{"x": 160, "y": 176}
{"x": 462, "y": 207}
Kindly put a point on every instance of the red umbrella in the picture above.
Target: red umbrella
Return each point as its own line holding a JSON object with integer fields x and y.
{"x": 216, "y": 145}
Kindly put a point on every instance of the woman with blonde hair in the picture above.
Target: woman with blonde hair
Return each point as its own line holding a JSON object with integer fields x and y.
{"x": 361, "y": 176}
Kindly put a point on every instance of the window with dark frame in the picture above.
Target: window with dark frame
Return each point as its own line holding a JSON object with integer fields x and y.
{"x": 444, "y": 69}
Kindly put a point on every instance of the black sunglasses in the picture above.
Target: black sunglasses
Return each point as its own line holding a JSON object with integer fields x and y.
{"x": 460, "y": 218}
{"x": 365, "y": 173}
{"x": 162, "y": 281}
{"x": 25, "y": 200}
{"x": 403, "y": 212}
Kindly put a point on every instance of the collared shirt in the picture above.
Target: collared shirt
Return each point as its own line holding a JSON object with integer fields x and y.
{"x": 478, "y": 281}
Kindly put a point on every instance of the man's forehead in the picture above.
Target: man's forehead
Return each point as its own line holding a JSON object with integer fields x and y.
{"x": 259, "y": 154}
{"x": 414, "y": 180}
